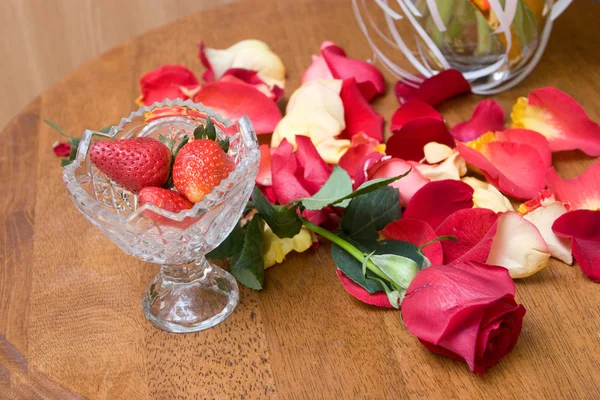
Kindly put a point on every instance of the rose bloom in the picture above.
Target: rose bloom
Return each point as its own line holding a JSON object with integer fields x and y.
{"x": 466, "y": 311}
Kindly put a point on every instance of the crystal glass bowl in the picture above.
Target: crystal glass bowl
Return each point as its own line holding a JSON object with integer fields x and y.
{"x": 189, "y": 294}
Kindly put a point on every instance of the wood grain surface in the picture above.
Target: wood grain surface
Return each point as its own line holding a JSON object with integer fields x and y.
{"x": 70, "y": 315}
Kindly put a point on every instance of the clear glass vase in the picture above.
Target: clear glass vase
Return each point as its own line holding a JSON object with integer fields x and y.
{"x": 189, "y": 294}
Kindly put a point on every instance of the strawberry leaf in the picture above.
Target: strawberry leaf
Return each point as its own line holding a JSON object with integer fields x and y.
{"x": 366, "y": 215}
{"x": 224, "y": 145}
{"x": 231, "y": 246}
{"x": 54, "y": 125}
{"x": 199, "y": 132}
{"x": 248, "y": 266}
{"x": 209, "y": 130}
{"x": 283, "y": 220}
{"x": 167, "y": 142}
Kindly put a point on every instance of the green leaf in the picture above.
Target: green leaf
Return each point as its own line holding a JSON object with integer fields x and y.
{"x": 74, "y": 146}
{"x": 352, "y": 268}
{"x": 209, "y": 130}
{"x": 338, "y": 186}
{"x": 183, "y": 142}
{"x": 65, "y": 161}
{"x": 248, "y": 266}
{"x": 366, "y": 215}
{"x": 167, "y": 142}
{"x": 58, "y": 128}
{"x": 371, "y": 186}
{"x": 199, "y": 132}
{"x": 283, "y": 220}
{"x": 395, "y": 297}
{"x": 231, "y": 246}
{"x": 399, "y": 269}
{"x": 224, "y": 144}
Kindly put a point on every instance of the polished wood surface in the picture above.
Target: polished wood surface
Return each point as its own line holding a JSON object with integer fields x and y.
{"x": 70, "y": 315}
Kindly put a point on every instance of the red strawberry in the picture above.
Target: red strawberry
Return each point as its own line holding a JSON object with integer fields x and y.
{"x": 133, "y": 163}
{"x": 200, "y": 166}
{"x": 164, "y": 198}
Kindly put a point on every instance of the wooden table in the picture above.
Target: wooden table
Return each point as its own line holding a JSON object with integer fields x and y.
{"x": 70, "y": 318}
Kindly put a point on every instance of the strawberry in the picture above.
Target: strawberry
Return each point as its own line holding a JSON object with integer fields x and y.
{"x": 164, "y": 198}
{"x": 200, "y": 166}
{"x": 133, "y": 163}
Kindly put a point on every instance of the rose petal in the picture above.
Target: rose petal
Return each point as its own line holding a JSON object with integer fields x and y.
{"x": 264, "y": 176}
{"x": 378, "y": 299}
{"x": 434, "y": 90}
{"x": 287, "y": 173}
{"x": 474, "y": 230}
{"x": 315, "y": 171}
{"x": 411, "y": 110}
{"x": 518, "y": 246}
{"x": 514, "y": 168}
{"x": 543, "y": 218}
{"x": 369, "y": 79}
{"x": 361, "y": 146}
{"x": 543, "y": 198}
{"x": 361, "y": 174}
{"x": 418, "y": 233}
{"x": 488, "y": 116}
{"x": 434, "y": 202}
{"x": 532, "y": 138}
{"x": 408, "y": 142}
{"x": 582, "y": 192}
{"x": 244, "y": 76}
{"x": 358, "y": 114}
{"x": 583, "y": 228}
{"x": 166, "y": 82}
{"x": 233, "y": 101}
{"x": 558, "y": 117}
{"x": 61, "y": 149}
{"x": 316, "y": 71}
{"x": 435, "y": 152}
{"x": 452, "y": 168}
{"x": 408, "y": 186}
{"x": 276, "y": 248}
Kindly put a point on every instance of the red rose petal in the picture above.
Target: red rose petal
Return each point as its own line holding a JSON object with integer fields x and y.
{"x": 315, "y": 171}
{"x": 531, "y": 138}
{"x": 583, "y": 227}
{"x": 358, "y": 114}
{"x": 488, "y": 116}
{"x": 269, "y": 193}
{"x": 234, "y": 100}
{"x": 62, "y": 149}
{"x": 408, "y": 142}
{"x": 245, "y": 76}
{"x": 362, "y": 168}
{"x": 515, "y": 169}
{"x": 434, "y": 90}
{"x": 209, "y": 74}
{"x": 418, "y": 233}
{"x": 165, "y": 83}
{"x": 573, "y": 128}
{"x": 408, "y": 186}
{"x": 264, "y": 177}
{"x": 352, "y": 160}
{"x": 285, "y": 170}
{"x": 369, "y": 78}
{"x": 378, "y": 299}
{"x": 434, "y": 202}
{"x": 411, "y": 110}
{"x": 582, "y": 192}
{"x": 474, "y": 230}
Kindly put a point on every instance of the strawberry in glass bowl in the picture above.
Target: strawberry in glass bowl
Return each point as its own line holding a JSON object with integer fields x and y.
{"x": 123, "y": 183}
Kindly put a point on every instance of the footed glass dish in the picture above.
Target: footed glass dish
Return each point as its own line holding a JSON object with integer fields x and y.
{"x": 189, "y": 294}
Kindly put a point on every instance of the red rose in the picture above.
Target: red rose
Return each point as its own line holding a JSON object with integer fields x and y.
{"x": 466, "y": 311}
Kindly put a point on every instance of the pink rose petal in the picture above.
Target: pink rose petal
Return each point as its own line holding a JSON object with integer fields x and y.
{"x": 408, "y": 186}
{"x": 315, "y": 170}
{"x": 358, "y": 114}
{"x": 434, "y": 90}
{"x": 264, "y": 177}
{"x": 408, "y": 142}
{"x": 488, "y": 116}
{"x": 418, "y": 233}
{"x": 352, "y": 160}
{"x": 434, "y": 202}
{"x": 317, "y": 70}
{"x": 362, "y": 168}
{"x": 411, "y": 110}
{"x": 474, "y": 230}
{"x": 166, "y": 82}
{"x": 234, "y": 100}
{"x": 583, "y": 228}
{"x": 245, "y": 76}
{"x": 582, "y": 192}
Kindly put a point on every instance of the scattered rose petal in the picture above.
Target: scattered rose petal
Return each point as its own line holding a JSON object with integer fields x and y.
{"x": 411, "y": 110}
{"x": 287, "y": 174}
{"x": 61, "y": 149}
{"x": 318, "y": 69}
{"x": 378, "y": 299}
{"x": 264, "y": 177}
{"x": 368, "y": 78}
{"x": 276, "y": 248}
{"x": 474, "y": 230}
{"x": 451, "y": 168}
{"x": 558, "y": 117}
{"x": 360, "y": 146}
{"x": 244, "y": 76}
{"x": 332, "y": 149}
{"x": 434, "y": 90}
{"x": 436, "y": 152}
{"x": 465, "y": 311}
{"x": 488, "y": 116}
{"x": 515, "y": 168}
{"x": 435, "y": 201}
{"x": 408, "y": 186}
{"x": 315, "y": 169}
{"x": 233, "y": 101}
{"x": 358, "y": 114}
{"x": 531, "y": 138}
{"x": 167, "y": 82}
{"x": 408, "y": 142}
{"x": 487, "y": 196}
{"x": 251, "y": 55}
{"x": 543, "y": 218}
{"x": 543, "y": 198}
{"x": 583, "y": 228}
{"x": 418, "y": 233}
{"x": 518, "y": 246}
{"x": 582, "y": 192}
{"x": 361, "y": 175}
